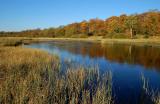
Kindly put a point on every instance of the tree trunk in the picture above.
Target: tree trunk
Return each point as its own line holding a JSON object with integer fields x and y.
{"x": 131, "y": 32}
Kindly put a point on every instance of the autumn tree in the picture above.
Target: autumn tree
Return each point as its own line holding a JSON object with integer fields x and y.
{"x": 72, "y": 29}
{"x": 60, "y": 31}
{"x": 147, "y": 23}
{"x": 131, "y": 23}
{"x": 84, "y": 27}
{"x": 96, "y": 27}
{"x": 121, "y": 23}
{"x": 112, "y": 24}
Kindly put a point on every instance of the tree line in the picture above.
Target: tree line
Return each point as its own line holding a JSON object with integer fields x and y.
{"x": 146, "y": 24}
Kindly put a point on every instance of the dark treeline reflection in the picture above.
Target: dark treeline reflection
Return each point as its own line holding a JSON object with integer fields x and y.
{"x": 146, "y": 56}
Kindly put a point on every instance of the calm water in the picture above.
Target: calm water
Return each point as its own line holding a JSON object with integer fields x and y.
{"x": 126, "y": 62}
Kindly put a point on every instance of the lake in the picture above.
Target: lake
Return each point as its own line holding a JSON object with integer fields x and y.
{"x": 128, "y": 63}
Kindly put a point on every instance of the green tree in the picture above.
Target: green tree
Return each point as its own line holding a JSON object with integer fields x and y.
{"x": 59, "y": 32}
{"x": 131, "y": 24}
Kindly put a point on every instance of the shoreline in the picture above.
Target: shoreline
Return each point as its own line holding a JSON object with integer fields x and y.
{"x": 148, "y": 42}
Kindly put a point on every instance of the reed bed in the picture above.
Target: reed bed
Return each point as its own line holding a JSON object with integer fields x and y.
{"x": 157, "y": 99}
{"x": 30, "y": 76}
{"x": 148, "y": 95}
{"x": 23, "y": 74}
{"x": 10, "y": 41}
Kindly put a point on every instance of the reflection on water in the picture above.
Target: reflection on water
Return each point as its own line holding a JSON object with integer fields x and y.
{"x": 146, "y": 56}
{"x": 127, "y": 63}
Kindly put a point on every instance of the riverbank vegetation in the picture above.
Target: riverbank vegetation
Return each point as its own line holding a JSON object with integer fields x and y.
{"x": 124, "y": 26}
{"x": 15, "y": 41}
{"x": 157, "y": 100}
{"x": 18, "y": 41}
{"x": 31, "y": 76}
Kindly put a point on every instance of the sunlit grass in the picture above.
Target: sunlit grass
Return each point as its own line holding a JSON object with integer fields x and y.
{"x": 33, "y": 76}
{"x": 10, "y": 41}
{"x": 17, "y": 41}
{"x": 157, "y": 100}
{"x": 24, "y": 74}
{"x": 148, "y": 95}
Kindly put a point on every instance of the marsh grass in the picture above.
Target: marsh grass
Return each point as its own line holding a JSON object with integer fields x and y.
{"x": 18, "y": 41}
{"x": 148, "y": 95}
{"x": 30, "y": 76}
{"x": 10, "y": 41}
{"x": 24, "y": 74}
{"x": 156, "y": 99}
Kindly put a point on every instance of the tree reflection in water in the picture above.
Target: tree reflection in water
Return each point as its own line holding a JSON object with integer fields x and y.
{"x": 147, "y": 56}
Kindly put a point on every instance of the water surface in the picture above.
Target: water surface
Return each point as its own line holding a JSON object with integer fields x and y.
{"x": 126, "y": 62}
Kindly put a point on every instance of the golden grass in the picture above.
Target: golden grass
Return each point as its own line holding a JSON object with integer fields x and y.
{"x": 23, "y": 74}
{"x": 15, "y": 56}
{"x": 148, "y": 95}
{"x": 157, "y": 100}
{"x": 16, "y": 41}
{"x": 30, "y": 76}
{"x": 12, "y": 41}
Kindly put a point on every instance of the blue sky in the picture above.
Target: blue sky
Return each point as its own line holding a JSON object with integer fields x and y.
{"x": 17, "y": 15}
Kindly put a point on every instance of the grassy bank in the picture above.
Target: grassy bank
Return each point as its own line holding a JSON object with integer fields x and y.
{"x": 23, "y": 74}
{"x": 18, "y": 41}
{"x": 33, "y": 76}
{"x": 14, "y": 41}
{"x": 30, "y": 76}
{"x": 148, "y": 42}
{"x": 10, "y": 42}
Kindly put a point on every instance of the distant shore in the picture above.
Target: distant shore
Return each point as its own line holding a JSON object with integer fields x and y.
{"x": 26, "y": 40}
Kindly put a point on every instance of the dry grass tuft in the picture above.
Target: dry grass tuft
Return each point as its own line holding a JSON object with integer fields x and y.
{"x": 157, "y": 99}
{"x": 24, "y": 74}
{"x": 10, "y": 41}
{"x": 148, "y": 95}
{"x": 30, "y": 76}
